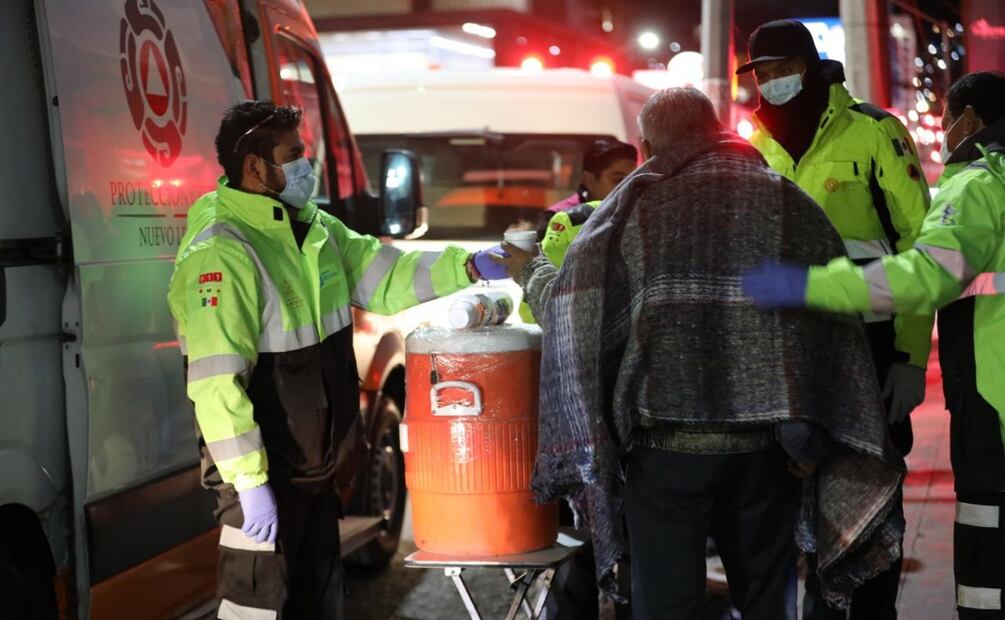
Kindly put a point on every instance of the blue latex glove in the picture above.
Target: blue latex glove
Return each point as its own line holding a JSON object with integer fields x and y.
{"x": 261, "y": 516}
{"x": 487, "y": 268}
{"x": 776, "y": 285}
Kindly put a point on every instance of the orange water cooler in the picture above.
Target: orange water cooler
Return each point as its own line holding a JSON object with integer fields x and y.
{"x": 470, "y": 437}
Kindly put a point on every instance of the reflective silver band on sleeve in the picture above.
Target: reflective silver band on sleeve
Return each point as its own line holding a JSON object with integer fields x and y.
{"x": 986, "y": 284}
{"x": 234, "y": 447}
{"x": 423, "y": 280}
{"x": 880, "y": 294}
{"x": 952, "y": 261}
{"x": 375, "y": 272}
{"x": 215, "y": 365}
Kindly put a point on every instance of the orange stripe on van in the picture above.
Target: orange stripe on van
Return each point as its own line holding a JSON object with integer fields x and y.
{"x": 166, "y": 586}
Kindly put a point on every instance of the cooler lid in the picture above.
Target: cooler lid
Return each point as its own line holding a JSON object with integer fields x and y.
{"x": 495, "y": 339}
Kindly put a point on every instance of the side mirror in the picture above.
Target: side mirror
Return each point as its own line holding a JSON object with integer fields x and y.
{"x": 400, "y": 193}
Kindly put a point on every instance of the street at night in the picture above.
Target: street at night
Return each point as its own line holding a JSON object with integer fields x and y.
{"x": 474, "y": 309}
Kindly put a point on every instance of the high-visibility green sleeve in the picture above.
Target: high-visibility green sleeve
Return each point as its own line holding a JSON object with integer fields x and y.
{"x": 560, "y": 235}
{"x": 900, "y": 178}
{"x": 385, "y": 280}
{"x": 956, "y": 243}
{"x": 215, "y": 299}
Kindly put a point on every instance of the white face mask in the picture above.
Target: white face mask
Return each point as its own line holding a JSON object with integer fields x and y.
{"x": 945, "y": 153}
{"x": 300, "y": 182}
{"x": 780, "y": 91}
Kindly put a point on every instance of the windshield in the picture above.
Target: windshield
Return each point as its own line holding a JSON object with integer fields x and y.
{"x": 476, "y": 186}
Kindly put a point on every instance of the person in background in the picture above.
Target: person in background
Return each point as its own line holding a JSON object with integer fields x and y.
{"x": 859, "y": 163}
{"x": 261, "y": 293}
{"x": 605, "y": 164}
{"x": 957, "y": 265}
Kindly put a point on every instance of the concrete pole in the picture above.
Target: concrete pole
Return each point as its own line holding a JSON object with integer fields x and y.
{"x": 717, "y": 50}
{"x": 867, "y": 60}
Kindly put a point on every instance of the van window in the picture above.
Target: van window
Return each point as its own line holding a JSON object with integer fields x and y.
{"x": 299, "y": 83}
{"x": 477, "y": 185}
{"x": 350, "y": 176}
{"x": 324, "y": 128}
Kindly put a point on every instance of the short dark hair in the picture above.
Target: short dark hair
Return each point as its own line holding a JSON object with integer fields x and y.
{"x": 265, "y": 120}
{"x": 603, "y": 153}
{"x": 984, "y": 90}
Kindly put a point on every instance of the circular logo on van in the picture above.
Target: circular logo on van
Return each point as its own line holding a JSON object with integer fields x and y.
{"x": 153, "y": 79}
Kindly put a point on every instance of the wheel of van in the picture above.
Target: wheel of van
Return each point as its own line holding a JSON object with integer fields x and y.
{"x": 383, "y": 489}
{"x": 24, "y": 596}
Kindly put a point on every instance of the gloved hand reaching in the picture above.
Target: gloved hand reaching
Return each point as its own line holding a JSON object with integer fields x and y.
{"x": 261, "y": 515}
{"x": 776, "y": 285}
{"x": 487, "y": 268}
{"x": 904, "y": 390}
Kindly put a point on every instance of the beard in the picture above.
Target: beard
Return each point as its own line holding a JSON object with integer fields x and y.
{"x": 275, "y": 181}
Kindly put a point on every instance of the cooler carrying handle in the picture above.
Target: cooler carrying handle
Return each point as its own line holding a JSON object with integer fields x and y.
{"x": 456, "y": 409}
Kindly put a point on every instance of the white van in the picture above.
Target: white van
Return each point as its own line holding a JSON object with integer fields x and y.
{"x": 496, "y": 147}
{"x": 109, "y": 113}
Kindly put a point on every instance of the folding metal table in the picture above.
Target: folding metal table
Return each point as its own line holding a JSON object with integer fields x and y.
{"x": 522, "y": 571}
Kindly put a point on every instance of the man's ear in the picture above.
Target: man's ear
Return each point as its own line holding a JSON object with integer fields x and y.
{"x": 973, "y": 120}
{"x": 589, "y": 181}
{"x": 252, "y": 170}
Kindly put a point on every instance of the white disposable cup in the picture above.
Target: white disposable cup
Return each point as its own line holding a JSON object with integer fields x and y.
{"x": 523, "y": 239}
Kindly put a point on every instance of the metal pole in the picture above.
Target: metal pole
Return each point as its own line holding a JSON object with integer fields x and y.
{"x": 866, "y": 58}
{"x": 717, "y": 50}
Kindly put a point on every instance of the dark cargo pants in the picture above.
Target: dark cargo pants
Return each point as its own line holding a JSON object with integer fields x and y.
{"x": 300, "y": 576}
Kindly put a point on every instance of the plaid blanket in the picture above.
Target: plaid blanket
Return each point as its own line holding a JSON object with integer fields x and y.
{"x": 646, "y": 325}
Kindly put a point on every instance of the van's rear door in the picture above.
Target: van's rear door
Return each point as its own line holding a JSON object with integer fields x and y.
{"x": 141, "y": 86}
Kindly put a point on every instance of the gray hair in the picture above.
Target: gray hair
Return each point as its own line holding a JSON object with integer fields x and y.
{"x": 676, "y": 114}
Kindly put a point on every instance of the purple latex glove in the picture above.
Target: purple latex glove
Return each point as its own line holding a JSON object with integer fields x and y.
{"x": 261, "y": 516}
{"x": 776, "y": 285}
{"x": 489, "y": 269}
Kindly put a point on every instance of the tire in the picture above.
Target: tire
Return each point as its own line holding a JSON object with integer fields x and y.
{"x": 382, "y": 489}
{"x": 24, "y": 596}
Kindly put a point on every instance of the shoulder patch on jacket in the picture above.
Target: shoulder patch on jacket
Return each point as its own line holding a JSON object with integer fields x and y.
{"x": 872, "y": 111}
{"x": 579, "y": 214}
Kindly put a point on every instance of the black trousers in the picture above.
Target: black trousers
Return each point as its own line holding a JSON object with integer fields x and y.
{"x": 746, "y": 502}
{"x": 298, "y": 577}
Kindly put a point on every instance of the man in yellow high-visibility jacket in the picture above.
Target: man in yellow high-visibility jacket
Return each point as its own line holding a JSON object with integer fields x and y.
{"x": 859, "y": 163}
{"x": 957, "y": 265}
{"x": 261, "y": 293}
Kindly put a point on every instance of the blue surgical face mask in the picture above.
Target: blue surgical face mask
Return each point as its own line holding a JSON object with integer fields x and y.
{"x": 780, "y": 91}
{"x": 300, "y": 182}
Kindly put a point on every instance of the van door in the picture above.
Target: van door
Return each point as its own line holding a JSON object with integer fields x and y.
{"x": 138, "y": 88}
{"x": 34, "y": 469}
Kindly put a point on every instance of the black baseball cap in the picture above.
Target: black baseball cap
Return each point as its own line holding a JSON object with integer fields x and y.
{"x": 778, "y": 40}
